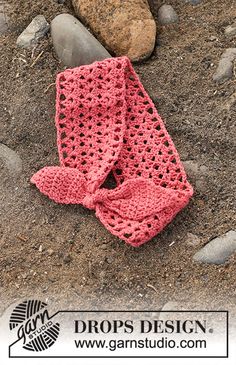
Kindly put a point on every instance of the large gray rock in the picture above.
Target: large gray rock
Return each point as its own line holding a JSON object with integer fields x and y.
{"x": 11, "y": 160}
{"x": 167, "y": 15}
{"x": 224, "y": 70}
{"x": 73, "y": 43}
{"x": 36, "y": 30}
{"x": 218, "y": 250}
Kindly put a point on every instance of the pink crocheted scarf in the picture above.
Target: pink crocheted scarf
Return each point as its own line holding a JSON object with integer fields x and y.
{"x": 106, "y": 122}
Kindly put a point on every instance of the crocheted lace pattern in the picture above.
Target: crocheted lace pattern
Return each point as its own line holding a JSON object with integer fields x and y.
{"x": 106, "y": 122}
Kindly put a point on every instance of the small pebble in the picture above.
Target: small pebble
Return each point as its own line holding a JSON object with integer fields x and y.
{"x": 36, "y": 30}
{"x": 50, "y": 251}
{"x": 197, "y": 173}
{"x": 201, "y": 185}
{"x": 67, "y": 259}
{"x": 192, "y": 239}
{"x": 213, "y": 38}
{"x": 230, "y": 31}
{"x": 4, "y": 20}
{"x": 191, "y": 167}
{"x": 110, "y": 259}
{"x": 103, "y": 246}
{"x": 224, "y": 70}
{"x": 204, "y": 278}
{"x": 11, "y": 160}
{"x": 167, "y": 15}
{"x": 40, "y": 248}
{"x": 193, "y": 2}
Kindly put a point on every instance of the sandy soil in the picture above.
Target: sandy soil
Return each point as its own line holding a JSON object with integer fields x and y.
{"x": 62, "y": 253}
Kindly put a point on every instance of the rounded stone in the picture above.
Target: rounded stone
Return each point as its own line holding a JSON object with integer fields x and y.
{"x": 125, "y": 27}
{"x": 73, "y": 43}
{"x": 67, "y": 259}
{"x": 11, "y": 160}
{"x": 193, "y": 2}
{"x": 4, "y": 20}
{"x": 191, "y": 167}
{"x": 218, "y": 250}
{"x": 36, "y": 30}
{"x": 192, "y": 240}
{"x": 230, "y": 31}
{"x": 167, "y": 15}
{"x": 225, "y": 67}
